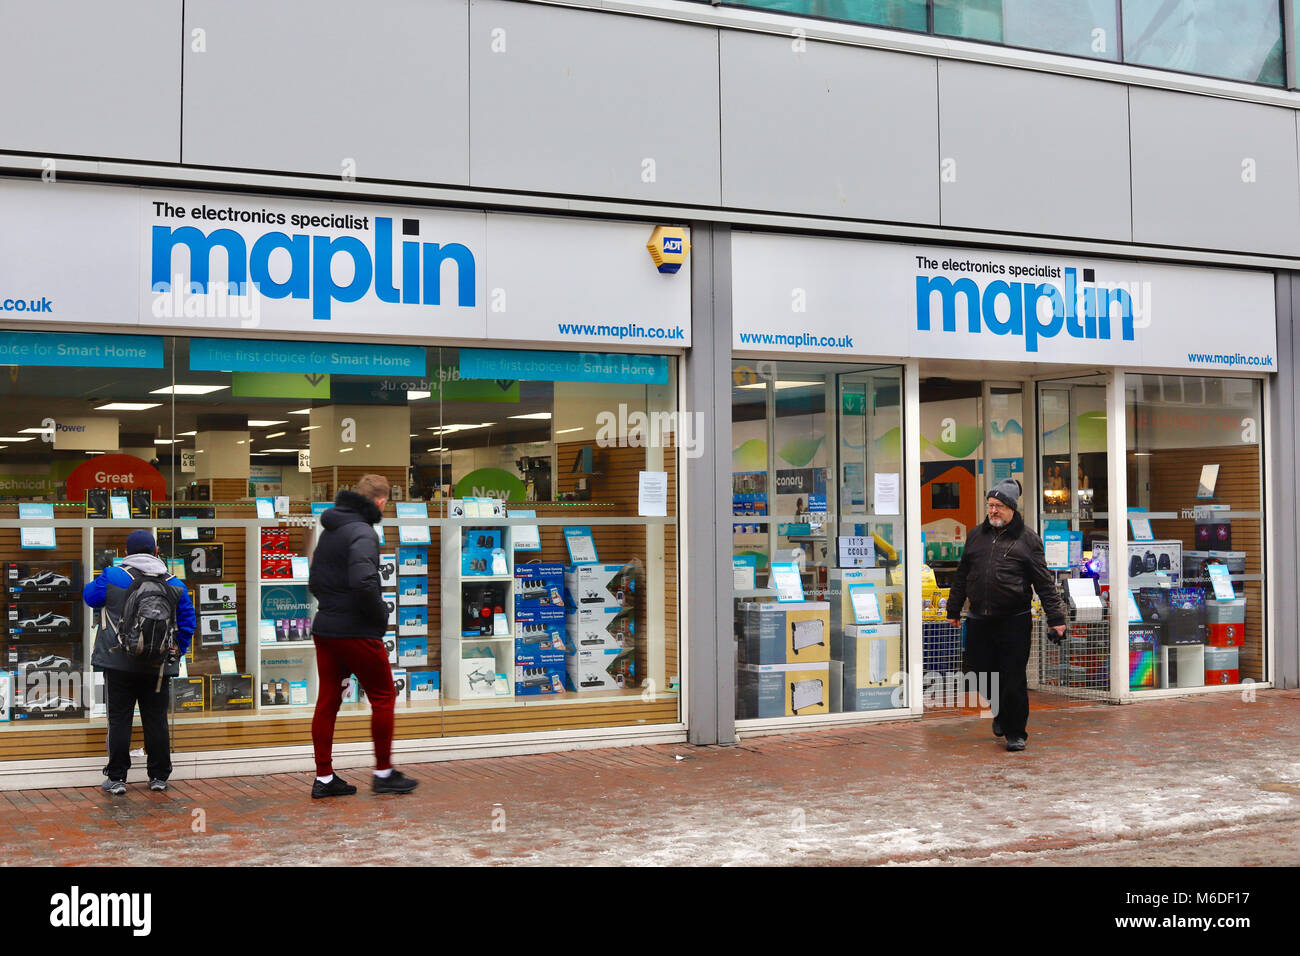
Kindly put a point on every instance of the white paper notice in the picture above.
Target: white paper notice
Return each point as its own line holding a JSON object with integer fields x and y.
{"x": 652, "y": 498}
{"x": 886, "y": 493}
{"x": 189, "y": 532}
{"x": 1141, "y": 529}
{"x": 119, "y": 508}
{"x": 266, "y": 509}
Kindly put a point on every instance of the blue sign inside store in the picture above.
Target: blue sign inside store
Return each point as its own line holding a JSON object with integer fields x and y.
{"x": 86, "y": 351}
{"x": 528, "y": 366}
{"x": 304, "y": 358}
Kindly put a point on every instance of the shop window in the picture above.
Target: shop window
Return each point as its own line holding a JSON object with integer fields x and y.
{"x": 817, "y": 539}
{"x": 1234, "y": 39}
{"x": 228, "y": 449}
{"x": 1077, "y": 27}
{"x": 1196, "y": 525}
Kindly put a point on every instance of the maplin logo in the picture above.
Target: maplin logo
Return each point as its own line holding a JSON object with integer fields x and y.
{"x": 311, "y": 260}
{"x": 74, "y": 909}
{"x": 1035, "y": 310}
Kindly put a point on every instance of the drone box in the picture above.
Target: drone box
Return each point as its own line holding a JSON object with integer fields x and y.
{"x": 792, "y": 633}
{"x": 42, "y": 580}
{"x": 43, "y": 620}
{"x": 217, "y": 597}
{"x": 783, "y": 690}
{"x": 478, "y": 677}
{"x": 230, "y": 691}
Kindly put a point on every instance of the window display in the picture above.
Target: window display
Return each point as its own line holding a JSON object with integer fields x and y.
{"x": 517, "y": 562}
{"x": 1195, "y": 486}
{"x": 818, "y": 507}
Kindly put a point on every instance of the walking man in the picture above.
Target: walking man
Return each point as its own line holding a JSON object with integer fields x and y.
{"x": 139, "y": 600}
{"x": 1002, "y": 560}
{"x": 351, "y": 618}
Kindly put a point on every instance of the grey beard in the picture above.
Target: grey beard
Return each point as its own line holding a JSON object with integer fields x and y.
{"x": 997, "y": 522}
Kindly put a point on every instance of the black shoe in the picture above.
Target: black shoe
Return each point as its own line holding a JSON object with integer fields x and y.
{"x": 338, "y": 787}
{"x": 997, "y": 728}
{"x": 395, "y": 782}
{"x": 1016, "y": 743}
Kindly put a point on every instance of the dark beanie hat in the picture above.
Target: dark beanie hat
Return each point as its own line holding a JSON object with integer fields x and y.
{"x": 140, "y": 542}
{"x": 1007, "y": 491}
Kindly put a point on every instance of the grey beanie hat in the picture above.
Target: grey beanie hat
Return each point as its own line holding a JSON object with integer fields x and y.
{"x": 1007, "y": 491}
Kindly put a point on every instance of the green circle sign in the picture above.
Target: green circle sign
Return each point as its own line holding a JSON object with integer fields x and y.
{"x": 491, "y": 483}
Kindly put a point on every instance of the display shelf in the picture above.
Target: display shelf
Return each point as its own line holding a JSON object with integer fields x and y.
{"x": 272, "y": 581}
{"x": 454, "y": 583}
{"x": 311, "y": 644}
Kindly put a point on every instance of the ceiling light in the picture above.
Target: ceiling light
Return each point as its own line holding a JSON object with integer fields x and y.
{"x": 416, "y": 396}
{"x": 257, "y": 454}
{"x": 187, "y": 389}
{"x": 565, "y": 431}
{"x": 5, "y": 446}
{"x": 188, "y": 433}
{"x": 448, "y": 429}
{"x": 279, "y": 451}
{"x": 781, "y": 385}
{"x": 88, "y": 453}
{"x": 259, "y": 423}
{"x": 166, "y": 441}
{"x": 439, "y": 448}
{"x": 35, "y": 431}
{"x": 538, "y": 416}
{"x": 344, "y": 451}
{"x": 127, "y": 406}
{"x": 301, "y": 411}
{"x": 275, "y": 434}
{"x": 242, "y": 442}
{"x": 307, "y": 428}
{"x": 16, "y": 438}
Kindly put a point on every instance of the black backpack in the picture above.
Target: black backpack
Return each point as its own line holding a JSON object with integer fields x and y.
{"x": 147, "y": 630}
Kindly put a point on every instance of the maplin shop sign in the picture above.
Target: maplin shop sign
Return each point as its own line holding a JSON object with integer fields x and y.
{"x": 310, "y": 258}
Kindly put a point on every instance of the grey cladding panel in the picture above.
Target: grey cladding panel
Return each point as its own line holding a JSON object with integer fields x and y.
{"x": 89, "y": 78}
{"x": 1031, "y": 152}
{"x": 832, "y": 130}
{"x": 573, "y": 101}
{"x": 1193, "y": 161}
{"x": 305, "y": 85}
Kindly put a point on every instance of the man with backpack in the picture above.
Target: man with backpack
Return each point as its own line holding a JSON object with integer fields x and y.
{"x": 145, "y": 627}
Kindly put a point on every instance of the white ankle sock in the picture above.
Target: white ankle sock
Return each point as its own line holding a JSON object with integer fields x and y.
{"x": 325, "y": 779}
{"x": 384, "y": 774}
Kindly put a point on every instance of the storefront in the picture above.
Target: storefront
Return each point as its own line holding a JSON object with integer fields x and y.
{"x": 879, "y": 389}
{"x": 216, "y": 367}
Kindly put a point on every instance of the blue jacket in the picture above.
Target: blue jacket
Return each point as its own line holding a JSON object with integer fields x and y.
{"x": 109, "y": 590}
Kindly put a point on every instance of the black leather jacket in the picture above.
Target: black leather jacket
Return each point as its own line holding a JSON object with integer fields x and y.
{"x": 345, "y": 571}
{"x": 997, "y": 570}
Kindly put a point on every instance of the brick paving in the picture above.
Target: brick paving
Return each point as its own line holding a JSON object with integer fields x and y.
{"x": 1197, "y": 780}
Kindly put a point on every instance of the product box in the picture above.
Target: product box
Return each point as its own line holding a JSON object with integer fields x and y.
{"x": 188, "y": 694}
{"x": 351, "y": 689}
{"x": 46, "y": 694}
{"x": 413, "y": 591}
{"x": 6, "y": 694}
{"x": 230, "y": 691}
{"x": 298, "y": 692}
{"x": 1212, "y": 535}
{"x": 412, "y": 621}
{"x": 1235, "y": 560}
{"x": 541, "y": 676}
{"x": 1182, "y": 666}
{"x": 478, "y": 677}
{"x": 1141, "y": 657}
{"x": 482, "y": 553}
{"x": 400, "y": 682}
{"x": 217, "y": 597}
{"x": 1231, "y": 634}
{"x": 872, "y": 658}
{"x": 539, "y": 629}
{"x": 217, "y": 629}
{"x": 293, "y": 630}
{"x": 275, "y": 540}
{"x": 412, "y": 560}
{"x": 601, "y": 585}
{"x": 42, "y": 580}
{"x": 388, "y": 571}
{"x": 1222, "y": 665}
{"x": 1146, "y": 561}
{"x": 390, "y": 646}
{"x": 43, "y": 620}
{"x": 783, "y": 690}
{"x": 423, "y": 685}
{"x": 539, "y": 585}
{"x": 601, "y": 626}
{"x": 412, "y": 651}
{"x": 390, "y": 601}
{"x": 791, "y": 633}
{"x": 98, "y": 702}
{"x": 275, "y": 692}
{"x": 59, "y": 657}
{"x": 609, "y": 668}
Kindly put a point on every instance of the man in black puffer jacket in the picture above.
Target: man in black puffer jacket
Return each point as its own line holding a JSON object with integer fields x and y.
{"x": 348, "y": 629}
{"x": 1002, "y": 560}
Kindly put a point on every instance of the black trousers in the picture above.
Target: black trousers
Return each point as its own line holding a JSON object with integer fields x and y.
{"x": 122, "y": 691}
{"x": 999, "y": 647}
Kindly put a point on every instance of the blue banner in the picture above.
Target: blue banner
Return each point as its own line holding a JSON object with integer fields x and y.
{"x": 87, "y": 351}
{"x": 304, "y": 358}
{"x": 525, "y": 366}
